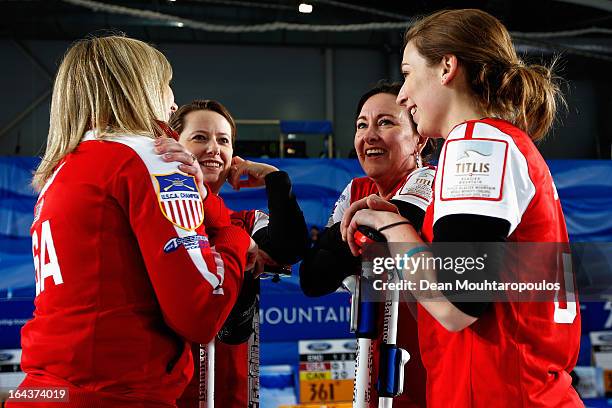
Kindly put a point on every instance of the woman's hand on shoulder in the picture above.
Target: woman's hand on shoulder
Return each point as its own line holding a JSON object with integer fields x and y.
{"x": 255, "y": 172}
{"x": 172, "y": 151}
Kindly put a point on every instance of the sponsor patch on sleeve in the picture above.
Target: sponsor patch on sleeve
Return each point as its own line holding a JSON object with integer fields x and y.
{"x": 473, "y": 169}
{"x": 180, "y": 200}
{"x": 419, "y": 185}
{"x": 189, "y": 242}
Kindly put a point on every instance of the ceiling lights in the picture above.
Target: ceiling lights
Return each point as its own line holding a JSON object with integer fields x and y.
{"x": 305, "y": 8}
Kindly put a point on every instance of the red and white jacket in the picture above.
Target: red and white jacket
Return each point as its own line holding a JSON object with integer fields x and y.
{"x": 415, "y": 189}
{"x": 231, "y": 361}
{"x": 133, "y": 262}
{"x": 517, "y": 354}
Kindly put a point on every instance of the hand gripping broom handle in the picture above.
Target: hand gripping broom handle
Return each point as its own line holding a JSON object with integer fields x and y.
{"x": 363, "y": 322}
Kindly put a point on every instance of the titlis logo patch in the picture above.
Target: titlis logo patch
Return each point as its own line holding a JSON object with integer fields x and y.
{"x": 190, "y": 242}
{"x": 425, "y": 179}
{"x": 473, "y": 162}
{"x": 474, "y": 157}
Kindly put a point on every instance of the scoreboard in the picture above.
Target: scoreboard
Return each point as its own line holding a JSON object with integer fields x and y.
{"x": 327, "y": 370}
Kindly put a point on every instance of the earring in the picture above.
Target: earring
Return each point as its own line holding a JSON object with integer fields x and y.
{"x": 419, "y": 160}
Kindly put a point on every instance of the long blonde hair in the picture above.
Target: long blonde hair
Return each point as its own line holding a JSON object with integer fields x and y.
{"x": 113, "y": 84}
{"x": 526, "y": 95}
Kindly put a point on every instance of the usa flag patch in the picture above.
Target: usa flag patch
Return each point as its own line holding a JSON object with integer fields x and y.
{"x": 180, "y": 200}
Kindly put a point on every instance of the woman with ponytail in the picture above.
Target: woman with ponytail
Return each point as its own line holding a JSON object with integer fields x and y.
{"x": 464, "y": 83}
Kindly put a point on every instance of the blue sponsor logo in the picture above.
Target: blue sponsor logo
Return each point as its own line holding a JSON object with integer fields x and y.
{"x": 350, "y": 345}
{"x": 605, "y": 337}
{"x": 5, "y": 357}
{"x": 190, "y": 242}
{"x": 319, "y": 346}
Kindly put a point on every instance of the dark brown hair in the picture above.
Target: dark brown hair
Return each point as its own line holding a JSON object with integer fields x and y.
{"x": 177, "y": 120}
{"x": 393, "y": 88}
{"x": 506, "y": 87}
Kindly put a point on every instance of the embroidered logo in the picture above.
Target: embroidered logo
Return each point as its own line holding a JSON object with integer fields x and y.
{"x": 180, "y": 200}
{"x": 190, "y": 242}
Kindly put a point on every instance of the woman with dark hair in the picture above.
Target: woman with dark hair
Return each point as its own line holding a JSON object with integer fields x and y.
{"x": 464, "y": 82}
{"x": 208, "y": 131}
{"x": 391, "y": 154}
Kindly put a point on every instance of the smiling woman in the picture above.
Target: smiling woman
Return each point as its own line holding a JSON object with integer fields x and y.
{"x": 390, "y": 152}
{"x": 465, "y": 83}
{"x": 386, "y": 150}
{"x": 206, "y": 128}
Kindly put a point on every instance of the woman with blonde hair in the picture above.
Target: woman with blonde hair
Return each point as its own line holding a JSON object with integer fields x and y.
{"x": 464, "y": 82}
{"x": 134, "y": 258}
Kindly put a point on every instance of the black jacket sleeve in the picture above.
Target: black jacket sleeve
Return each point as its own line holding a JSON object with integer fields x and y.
{"x": 330, "y": 260}
{"x": 475, "y": 231}
{"x": 327, "y": 263}
{"x": 411, "y": 212}
{"x": 285, "y": 238}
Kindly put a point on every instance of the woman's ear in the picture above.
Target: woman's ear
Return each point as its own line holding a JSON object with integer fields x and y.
{"x": 449, "y": 68}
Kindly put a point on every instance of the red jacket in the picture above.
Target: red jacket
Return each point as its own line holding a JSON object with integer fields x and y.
{"x": 415, "y": 189}
{"x": 126, "y": 276}
{"x": 517, "y": 354}
{"x": 231, "y": 361}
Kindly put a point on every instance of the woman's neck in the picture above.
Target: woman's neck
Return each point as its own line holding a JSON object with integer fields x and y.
{"x": 215, "y": 187}
{"x": 386, "y": 185}
{"x": 464, "y": 107}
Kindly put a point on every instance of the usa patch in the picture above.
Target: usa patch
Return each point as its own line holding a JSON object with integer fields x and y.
{"x": 180, "y": 200}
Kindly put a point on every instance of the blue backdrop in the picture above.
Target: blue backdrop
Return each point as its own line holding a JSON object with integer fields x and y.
{"x": 585, "y": 189}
